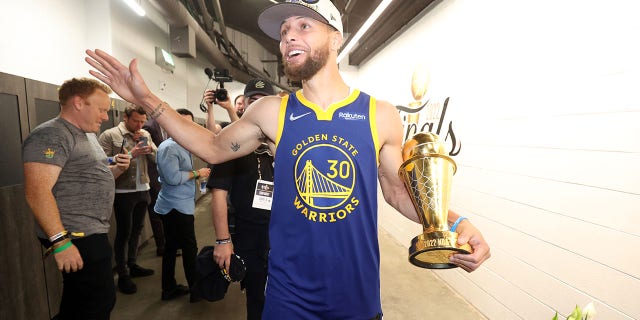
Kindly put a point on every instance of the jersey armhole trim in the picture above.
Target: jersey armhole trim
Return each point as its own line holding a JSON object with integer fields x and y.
{"x": 281, "y": 118}
{"x": 374, "y": 128}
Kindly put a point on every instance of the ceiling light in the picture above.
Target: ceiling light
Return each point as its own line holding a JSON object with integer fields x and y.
{"x": 274, "y": 1}
{"x": 135, "y": 7}
{"x": 365, "y": 26}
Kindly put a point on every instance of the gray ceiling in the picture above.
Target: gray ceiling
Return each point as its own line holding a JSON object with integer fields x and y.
{"x": 242, "y": 15}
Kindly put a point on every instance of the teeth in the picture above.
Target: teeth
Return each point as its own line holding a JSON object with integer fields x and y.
{"x": 295, "y": 52}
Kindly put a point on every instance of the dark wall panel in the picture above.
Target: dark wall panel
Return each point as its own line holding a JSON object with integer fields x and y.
{"x": 24, "y": 291}
{"x": 10, "y": 134}
{"x": 42, "y": 105}
{"x": 42, "y": 102}
{"x": 45, "y": 110}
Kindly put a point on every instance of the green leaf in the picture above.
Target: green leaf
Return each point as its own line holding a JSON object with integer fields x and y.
{"x": 555, "y": 317}
{"x": 576, "y": 314}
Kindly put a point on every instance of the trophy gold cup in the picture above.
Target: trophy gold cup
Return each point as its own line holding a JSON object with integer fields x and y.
{"x": 419, "y": 84}
{"x": 427, "y": 172}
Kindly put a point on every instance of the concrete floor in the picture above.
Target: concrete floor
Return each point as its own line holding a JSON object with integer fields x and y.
{"x": 408, "y": 292}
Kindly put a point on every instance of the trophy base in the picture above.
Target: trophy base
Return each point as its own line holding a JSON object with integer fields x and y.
{"x": 432, "y": 250}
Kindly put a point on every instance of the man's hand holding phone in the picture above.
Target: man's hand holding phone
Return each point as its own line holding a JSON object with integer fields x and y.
{"x": 122, "y": 160}
{"x": 142, "y": 146}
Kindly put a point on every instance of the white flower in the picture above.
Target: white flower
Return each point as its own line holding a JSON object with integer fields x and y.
{"x": 589, "y": 311}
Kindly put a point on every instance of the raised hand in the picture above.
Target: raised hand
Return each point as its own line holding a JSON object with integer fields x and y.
{"x": 124, "y": 81}
{"x": 209, "y": 97}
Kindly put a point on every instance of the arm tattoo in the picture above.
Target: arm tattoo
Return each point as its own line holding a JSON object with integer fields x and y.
{"x": 235, "y": 146}
{"x": 158, "y": 110}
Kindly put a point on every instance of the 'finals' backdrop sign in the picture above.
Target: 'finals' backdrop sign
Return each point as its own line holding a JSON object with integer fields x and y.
{"x": 428, "y": 116}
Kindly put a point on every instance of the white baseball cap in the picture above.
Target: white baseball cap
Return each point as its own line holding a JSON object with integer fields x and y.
{"x": 270, "y": 20}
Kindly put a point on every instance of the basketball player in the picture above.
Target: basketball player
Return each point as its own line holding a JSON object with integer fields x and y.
{"x": 330, "y": 141}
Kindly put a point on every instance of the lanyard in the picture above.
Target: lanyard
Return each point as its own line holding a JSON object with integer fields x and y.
{"x": 260, "y": 166}
{"x": 259, "y": 171}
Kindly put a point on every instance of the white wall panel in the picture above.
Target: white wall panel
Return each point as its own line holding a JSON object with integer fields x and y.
{"x": 586, "y": 240}
{"x": 511, "y": 296}
{"x": 602, "y": 207}
{"x": 543, "y": 99}
{"x": 611, "y": 131}
{"x": 545, "y": 289}
{"x": 593, "y": 277}
{"x": 490, "y": 306}
{"x": 46, "y": 40}
{"x": 606, "y": 170}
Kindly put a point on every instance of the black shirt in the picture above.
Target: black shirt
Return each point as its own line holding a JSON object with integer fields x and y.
{"x": 239, "y": 177}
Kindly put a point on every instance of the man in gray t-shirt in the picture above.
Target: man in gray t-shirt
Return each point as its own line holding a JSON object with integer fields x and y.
{"x": 69, "y": 185}
{"x": 84, "y": 190}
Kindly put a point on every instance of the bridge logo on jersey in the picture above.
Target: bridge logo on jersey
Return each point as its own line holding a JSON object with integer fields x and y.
{"x": 325, "y": 178}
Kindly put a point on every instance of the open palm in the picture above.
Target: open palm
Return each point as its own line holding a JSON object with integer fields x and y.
{"x": 125, "y": 81}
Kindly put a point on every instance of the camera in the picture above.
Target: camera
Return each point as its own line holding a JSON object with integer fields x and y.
{"x": 221, "y": 76}
{"x": 221, "y": 95}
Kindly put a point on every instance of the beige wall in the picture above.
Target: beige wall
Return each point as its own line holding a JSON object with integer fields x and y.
{"x": 543, "y": 100}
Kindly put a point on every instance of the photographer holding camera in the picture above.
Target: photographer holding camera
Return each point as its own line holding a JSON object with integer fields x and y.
{"x": 210, "y": 99}
{"x": 219, "y": 96}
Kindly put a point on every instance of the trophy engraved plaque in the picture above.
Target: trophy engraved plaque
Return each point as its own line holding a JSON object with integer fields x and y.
{"x": 427, "y": 172}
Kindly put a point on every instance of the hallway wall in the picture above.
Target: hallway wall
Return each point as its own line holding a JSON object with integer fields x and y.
{"x": 49, "y": 45}
{"x": 543, "y": 105}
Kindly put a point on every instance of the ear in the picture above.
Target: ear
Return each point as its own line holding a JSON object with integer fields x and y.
{"x": 336, "y": 41}
{"x": 77, "y": 102}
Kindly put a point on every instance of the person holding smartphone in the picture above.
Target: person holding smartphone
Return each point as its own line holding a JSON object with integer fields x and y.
{"x": 132, "y": 191}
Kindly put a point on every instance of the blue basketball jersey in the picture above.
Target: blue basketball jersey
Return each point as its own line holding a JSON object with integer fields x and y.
{"x": 324, "y": 261}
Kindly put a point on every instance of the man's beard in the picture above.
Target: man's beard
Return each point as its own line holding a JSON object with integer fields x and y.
{"x": 310, "y": 67}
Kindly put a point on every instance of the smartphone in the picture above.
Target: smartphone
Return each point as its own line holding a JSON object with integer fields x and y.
{"x": 144, "y": 140}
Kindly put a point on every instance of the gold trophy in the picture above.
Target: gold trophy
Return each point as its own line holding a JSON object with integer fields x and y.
{"x": 419, "y": 84}
{"x": 427, "y": 172}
